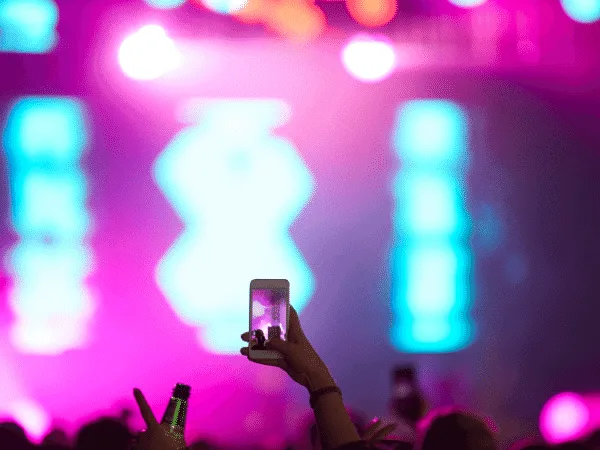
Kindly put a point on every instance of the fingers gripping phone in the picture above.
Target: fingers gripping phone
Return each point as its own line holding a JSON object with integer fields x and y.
{"x": 269, "y": 316}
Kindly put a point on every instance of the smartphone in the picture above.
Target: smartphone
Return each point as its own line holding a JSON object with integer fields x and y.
{"x": 403, "y": 381}
{"x": 406, "y": 397}
{"x": 269, "y": 316}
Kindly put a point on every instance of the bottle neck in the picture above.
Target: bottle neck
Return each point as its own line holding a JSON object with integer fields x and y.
{"x": 175, "y": 415}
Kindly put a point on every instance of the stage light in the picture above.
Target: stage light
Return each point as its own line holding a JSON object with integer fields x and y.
{"x": 431, "y": 262}
{"x": 44, "y": 139}
{"x": 28, "y": 26}
{"x": 297, "y": 20}
{"x": 372, "y": 13}
{"x": 369, "y": 59}
{"x": 165, "y": 4}
{"x": 238, "y": 188}
{"x": 432, "y": 134}
{"x": 32, "y": 417}
{"x": 565, "y": 417}
{"x": 434, "y": 203}
{"x": 468, "y": 3}
{"x": 148, "y": 54}
{"x": 255, "y": 11}
{"x": 223, "y": 6}
{"x": 584, "y": 11}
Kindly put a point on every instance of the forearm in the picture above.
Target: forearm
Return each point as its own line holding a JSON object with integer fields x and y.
{"x": 334, "y": 424}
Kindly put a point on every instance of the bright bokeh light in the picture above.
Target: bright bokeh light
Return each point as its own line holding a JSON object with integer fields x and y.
{"x": 165, "y": 4}
{"x": 564, "y": 418}
{"x": 149, "y": 54}
{"x": 584, "y": 11}
{"x": 32, "y": 417}
{"x": 254, "y": 11}
{"x": 223, "y": 6}
{"x": 28, "y": 26}
{"x": 431, "y": 262}
{"x": 433, "y": 203}
{"x": 237, "y": 188}
{"x": 297, "y": 20}
{"x": 432, "y": 134}
{"x": 468, "y": 3}
{"x": 372, "y": 13}
{"x": 44, "y": 140}
{"x": 369, "y": 59}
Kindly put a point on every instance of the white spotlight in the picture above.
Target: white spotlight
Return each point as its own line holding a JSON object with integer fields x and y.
{"x": 148, "y": 54}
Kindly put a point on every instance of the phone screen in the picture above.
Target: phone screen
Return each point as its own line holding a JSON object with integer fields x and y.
{"x": 406, "y": 398}
{"x": 404, "y": 381}
{"x": 268, "y": 318}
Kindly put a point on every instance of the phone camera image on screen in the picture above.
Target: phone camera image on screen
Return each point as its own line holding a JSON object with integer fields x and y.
{"x": 268, "y": 318}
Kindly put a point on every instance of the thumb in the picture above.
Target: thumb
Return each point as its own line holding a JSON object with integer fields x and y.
{"x": 280, "y": 345}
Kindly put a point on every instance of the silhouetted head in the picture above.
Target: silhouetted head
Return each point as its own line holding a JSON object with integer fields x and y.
{"x": 53, "y": 447}
{"x": 593, "y": 441}
{"x": 530, "y": 445}
{"x": 575, "y": 445}
{"x": 56, "y": 436}
{"x": 202, "y": 445}
{"x": 394, "y": 445}
{"x": 12, "y": 436}
{"x": 457, "y": 431}
{"x": 103, "y": 434}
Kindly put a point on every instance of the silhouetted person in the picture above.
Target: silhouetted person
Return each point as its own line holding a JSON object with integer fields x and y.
{"x": 51, "y": 446}
{"x": 530, "y": 445}
{"x": 575, "y": 445}
{"x": 103, "y": 434}
{"x": 56, "y": 437}
{"x": 593, "y": 441}
{"x": 274, "y": 332}
{"x": 125, "y": 416}
{"x": 202, "y": 445}
{"x": 13, "y": 437}
{"x": 260, "y": 340}
{"x": 457, "y": 431}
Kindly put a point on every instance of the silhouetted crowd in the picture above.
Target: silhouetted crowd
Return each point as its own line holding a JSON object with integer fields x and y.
{"x": 447, "y": 431}
{"x": 334, "y": 426}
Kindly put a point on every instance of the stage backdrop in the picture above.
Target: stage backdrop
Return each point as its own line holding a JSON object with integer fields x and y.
{"x": 447, "y": 213}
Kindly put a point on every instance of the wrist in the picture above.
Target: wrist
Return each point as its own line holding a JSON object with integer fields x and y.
{"x": 319, "y": 380}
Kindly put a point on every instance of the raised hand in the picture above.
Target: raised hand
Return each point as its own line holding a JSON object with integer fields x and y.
{"x": 157, "y": 436}
{"x": 300, "y": 360}
{"x": 376, "y": 431}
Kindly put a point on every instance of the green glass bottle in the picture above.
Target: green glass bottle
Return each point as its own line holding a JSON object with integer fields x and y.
{"x": 176, "y": 412}
{"x": 174, "y": 417}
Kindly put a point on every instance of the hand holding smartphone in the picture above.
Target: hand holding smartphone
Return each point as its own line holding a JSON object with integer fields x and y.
{"x": 269, "y": 316}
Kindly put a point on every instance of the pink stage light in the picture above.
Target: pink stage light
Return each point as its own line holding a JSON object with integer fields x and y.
{"x": 369, "y": 59}
{"x": 32, "y": 417}
{"x": 148, "y": 54}
{"x": 568, "y": 416}
{"x": 468, "y": 3}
